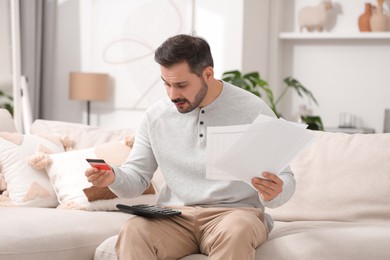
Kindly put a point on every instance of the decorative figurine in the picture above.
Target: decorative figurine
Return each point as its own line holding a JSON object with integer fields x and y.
{"x": 364, "y": 18}
{"x": 379, "y": 20}
{"x": 315, "y": 17}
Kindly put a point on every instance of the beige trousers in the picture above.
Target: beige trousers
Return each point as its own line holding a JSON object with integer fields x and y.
{"x": 220, "y": 233}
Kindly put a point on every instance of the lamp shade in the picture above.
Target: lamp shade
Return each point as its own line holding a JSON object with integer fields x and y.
{"x": 88, "y": 86}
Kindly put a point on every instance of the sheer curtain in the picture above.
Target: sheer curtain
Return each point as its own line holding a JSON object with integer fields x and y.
{"x": 37, "y": 34}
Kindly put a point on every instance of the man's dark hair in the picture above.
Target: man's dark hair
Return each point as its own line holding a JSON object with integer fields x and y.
{"x": 194, "y": 50}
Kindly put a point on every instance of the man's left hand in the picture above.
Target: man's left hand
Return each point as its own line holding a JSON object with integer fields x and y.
{"x": 268, "y": 187}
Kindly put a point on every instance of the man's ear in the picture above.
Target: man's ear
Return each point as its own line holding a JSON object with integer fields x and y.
{"x": 208, "y": 73}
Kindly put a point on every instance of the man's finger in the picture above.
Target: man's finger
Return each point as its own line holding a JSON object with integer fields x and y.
{"x": 272, "y": 177}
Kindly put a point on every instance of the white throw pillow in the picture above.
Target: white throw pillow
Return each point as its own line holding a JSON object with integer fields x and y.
{"x": 67, "y": 175}
{"x": 26, "y": 186}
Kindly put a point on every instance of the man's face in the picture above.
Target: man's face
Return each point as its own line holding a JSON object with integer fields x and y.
{"x": 184, "y": 88}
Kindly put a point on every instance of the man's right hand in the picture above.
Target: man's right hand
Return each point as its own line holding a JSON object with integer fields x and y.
{"x": 99, "y": 178}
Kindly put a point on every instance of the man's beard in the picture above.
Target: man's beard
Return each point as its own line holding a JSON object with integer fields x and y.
{"x": 198, "y": 99}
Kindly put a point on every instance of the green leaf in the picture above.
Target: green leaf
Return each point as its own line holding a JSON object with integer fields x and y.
{"x": 313, "y": 122}
{"x": 253, "y": 83}
{"x": 300, "y": 89}
{"x": 229, "y": 76}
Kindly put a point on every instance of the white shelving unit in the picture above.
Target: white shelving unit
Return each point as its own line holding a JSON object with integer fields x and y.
{"x": 334, "y": 36}
{"x": 346, "y": 70}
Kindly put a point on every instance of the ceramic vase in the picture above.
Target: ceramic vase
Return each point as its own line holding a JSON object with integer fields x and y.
{"x": 364, "y": 19}
{"x": 379, "y": 21}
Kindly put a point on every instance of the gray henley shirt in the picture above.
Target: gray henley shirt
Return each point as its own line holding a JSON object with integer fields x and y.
{"x": 176, "y": 143}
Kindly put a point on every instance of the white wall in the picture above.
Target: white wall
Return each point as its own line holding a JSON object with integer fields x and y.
{"x": 123, "y": 46}
{"x": 345, "y": 76}
{"x": 91, "y": 39}
{"x": 350, "y": 78}
{"x": 256, "y": 34}
{"x": 222, "y": 25}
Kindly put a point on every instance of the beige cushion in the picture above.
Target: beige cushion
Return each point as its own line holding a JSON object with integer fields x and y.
{"x": 341, "y": 177}
{"x": 67, "y": 175}
{"x": 26, "y": 186}
{"x": 7, "y": 123}
{"x": 83, "y": 136}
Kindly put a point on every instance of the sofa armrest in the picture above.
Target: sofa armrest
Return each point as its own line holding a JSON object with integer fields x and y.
{"x": 7, "y": 123}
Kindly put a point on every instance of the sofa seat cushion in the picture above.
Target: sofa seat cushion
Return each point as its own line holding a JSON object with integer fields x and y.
{"x": 307, "y": 240}
{"x": 327, "y": 240}
{"x": 48, "y": 233}
{"x": 106, "y": 251}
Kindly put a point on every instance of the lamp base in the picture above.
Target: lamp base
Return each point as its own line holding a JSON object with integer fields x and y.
{"x": 88, "y": 111}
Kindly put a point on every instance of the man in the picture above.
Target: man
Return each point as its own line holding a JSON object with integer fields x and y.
{"x": 222, "y": 219}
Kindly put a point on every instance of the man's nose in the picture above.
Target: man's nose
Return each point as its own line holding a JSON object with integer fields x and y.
{"x": 174, "y": 93}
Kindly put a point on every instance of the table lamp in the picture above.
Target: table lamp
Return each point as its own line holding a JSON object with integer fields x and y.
{"x": 88, "y": 87}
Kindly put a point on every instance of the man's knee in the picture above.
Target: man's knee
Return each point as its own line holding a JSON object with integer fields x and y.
{"x": 244, "y": 226}
{"x": 241, "y": 226}
{"x": 134, "y": 227}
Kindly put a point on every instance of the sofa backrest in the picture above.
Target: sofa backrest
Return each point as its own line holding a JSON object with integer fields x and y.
{"x": 340, "y": 177}
{"x": 83, "y": 136}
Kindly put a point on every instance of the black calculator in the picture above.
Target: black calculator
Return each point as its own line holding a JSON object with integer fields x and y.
{"x": 149, "y": 211}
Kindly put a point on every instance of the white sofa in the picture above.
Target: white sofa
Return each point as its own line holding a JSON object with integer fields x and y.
{"x": 341, "y": 208}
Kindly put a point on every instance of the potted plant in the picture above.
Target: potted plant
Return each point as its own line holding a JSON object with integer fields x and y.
{"x": 253, "y": 83}
{"x": 6, "y": 102}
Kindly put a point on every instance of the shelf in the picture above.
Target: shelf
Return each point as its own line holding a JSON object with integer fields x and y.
{"x": 334, "y": 36}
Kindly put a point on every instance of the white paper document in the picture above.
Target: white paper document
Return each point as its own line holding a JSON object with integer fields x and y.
{"x": 242, "y": 152}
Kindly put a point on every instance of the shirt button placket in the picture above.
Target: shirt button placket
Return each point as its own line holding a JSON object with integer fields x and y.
{"x": 201, "y": 123}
